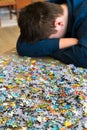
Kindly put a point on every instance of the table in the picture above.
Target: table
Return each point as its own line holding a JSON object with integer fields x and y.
{"x": 41, "y": 94}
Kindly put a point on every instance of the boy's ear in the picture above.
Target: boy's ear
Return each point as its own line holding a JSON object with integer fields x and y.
{"x": 58, "y": 22}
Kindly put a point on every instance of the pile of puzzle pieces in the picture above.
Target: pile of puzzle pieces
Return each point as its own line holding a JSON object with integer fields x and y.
{"x": 42, "y": 94}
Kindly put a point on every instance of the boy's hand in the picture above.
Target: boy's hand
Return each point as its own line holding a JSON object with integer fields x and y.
{"x": 67, "y": 42}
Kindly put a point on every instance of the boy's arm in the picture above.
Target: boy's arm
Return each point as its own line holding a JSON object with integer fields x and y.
{"x": 44, "y": 47}
{"x": 67, "y": 42}
{"x": 38, "y": 49}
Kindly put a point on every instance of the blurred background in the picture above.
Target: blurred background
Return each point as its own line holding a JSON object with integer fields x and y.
{"x": 9, "y": 11}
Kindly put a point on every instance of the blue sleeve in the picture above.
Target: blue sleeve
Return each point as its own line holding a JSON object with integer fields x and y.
{"x": 39, "y": 49}
{"x": 82, "y": 33}
{"x": 80, "y": 22}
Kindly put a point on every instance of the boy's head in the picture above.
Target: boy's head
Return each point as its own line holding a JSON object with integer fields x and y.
{"x": 41, "y": 20}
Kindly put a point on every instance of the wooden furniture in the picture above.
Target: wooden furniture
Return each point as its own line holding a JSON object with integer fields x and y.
{"x": 17, "y": 4}
{"x": 9, "y": 4}
{"x": 20, "y": 4}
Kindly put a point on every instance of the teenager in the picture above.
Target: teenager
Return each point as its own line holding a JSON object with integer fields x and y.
{"x": 61, "y": 33}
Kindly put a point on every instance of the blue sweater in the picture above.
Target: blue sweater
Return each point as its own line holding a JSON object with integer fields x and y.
{"x": 77, "y": 28}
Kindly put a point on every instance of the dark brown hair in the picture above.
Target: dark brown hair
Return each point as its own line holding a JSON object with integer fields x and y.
{"x": 36, "y": 20}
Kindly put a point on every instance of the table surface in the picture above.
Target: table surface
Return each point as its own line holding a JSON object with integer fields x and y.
{"x": 41, "y": 94}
